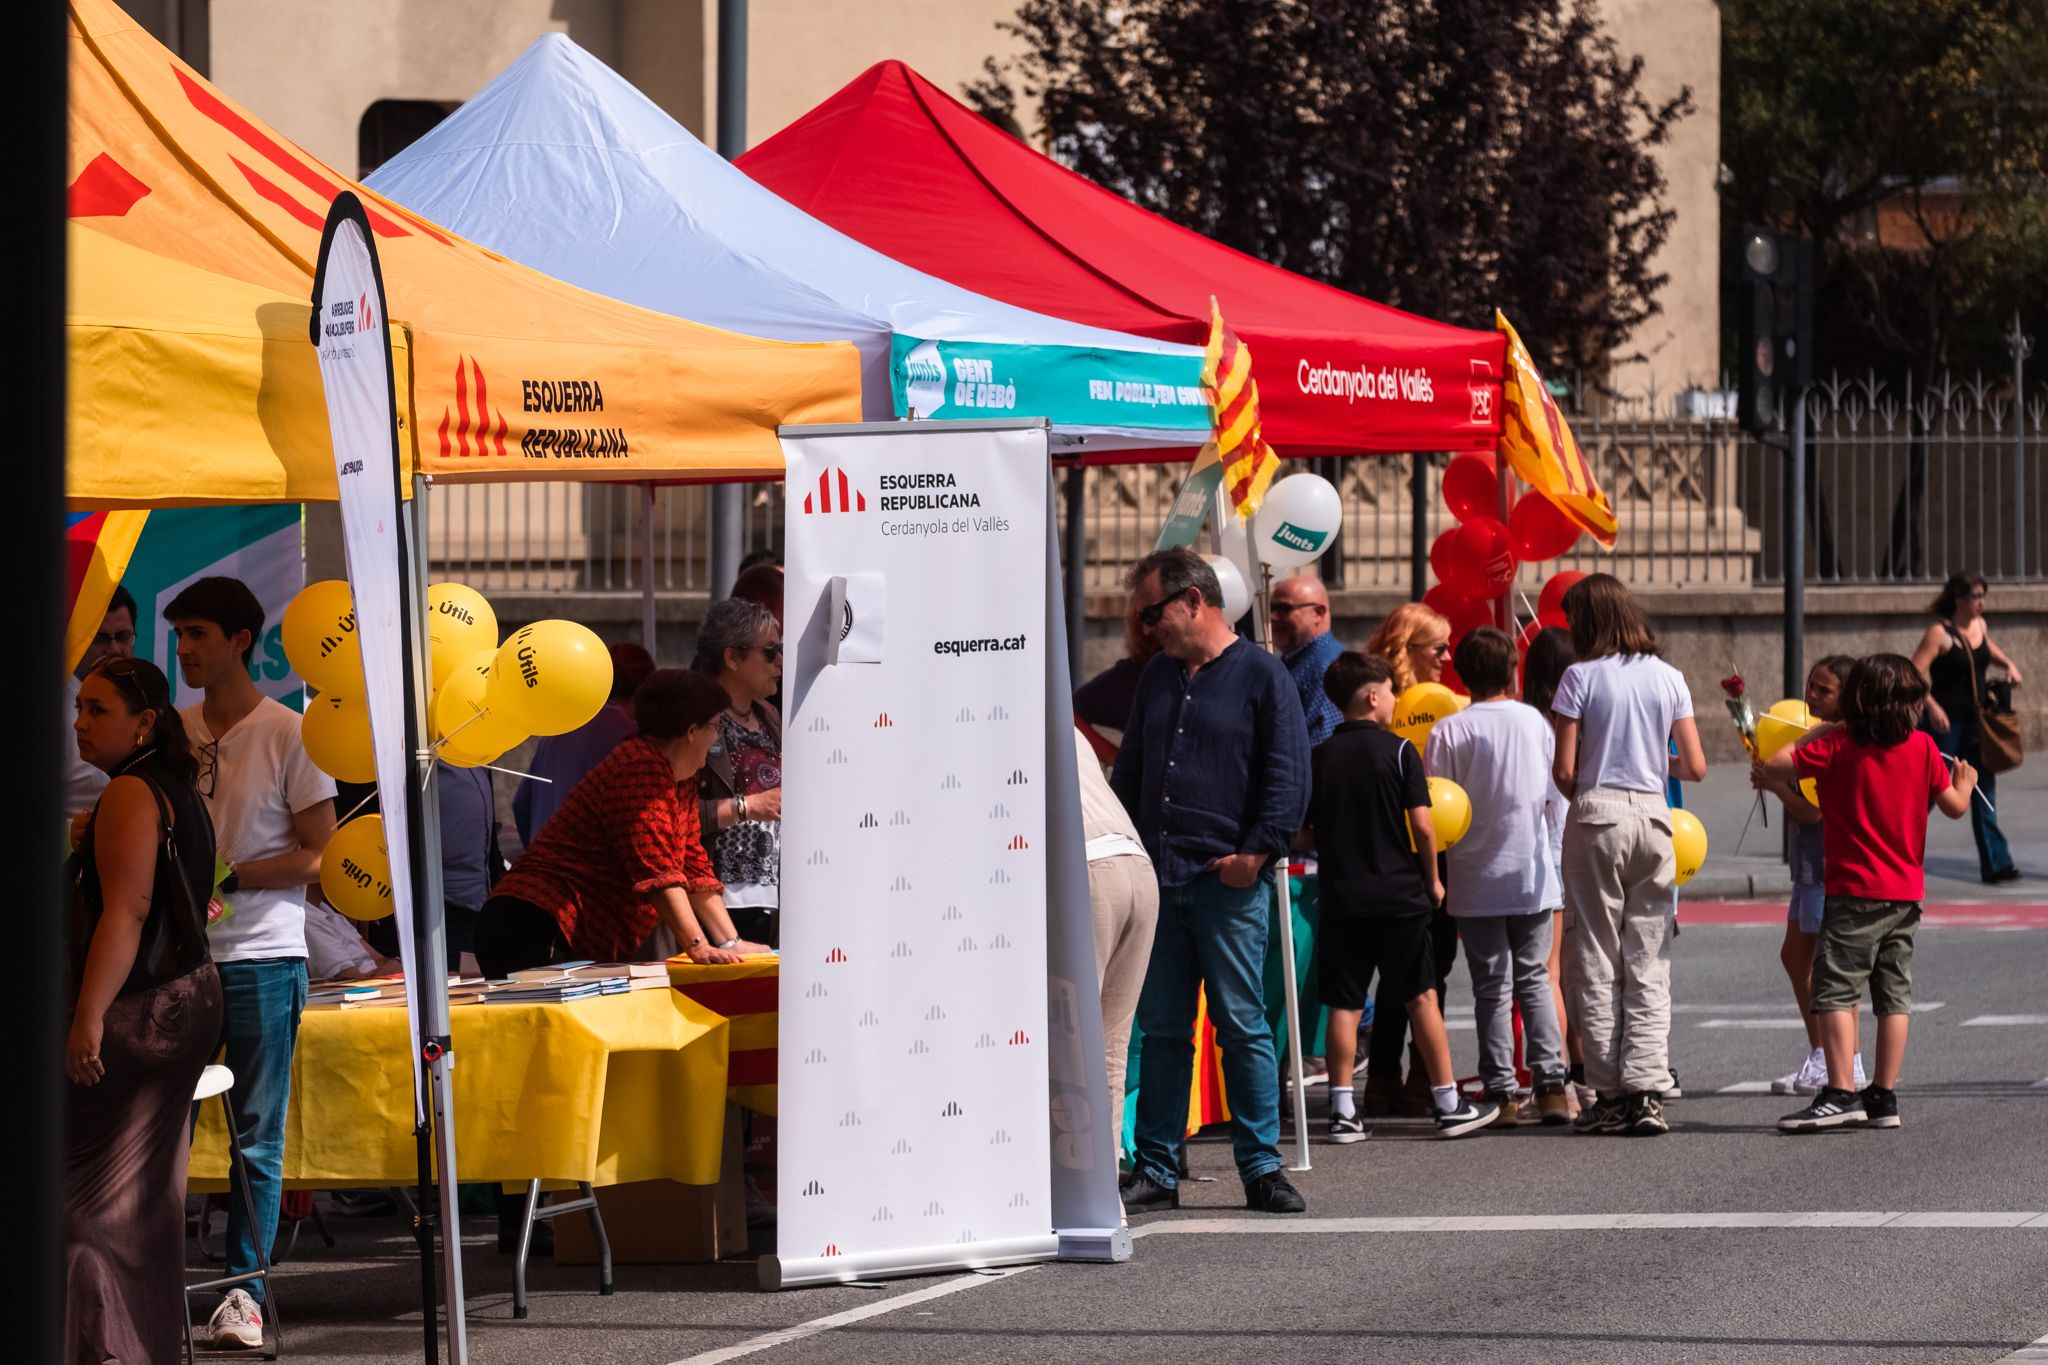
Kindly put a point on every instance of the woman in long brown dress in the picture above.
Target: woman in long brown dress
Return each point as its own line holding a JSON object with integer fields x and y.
{"x": 145, "y": 1018}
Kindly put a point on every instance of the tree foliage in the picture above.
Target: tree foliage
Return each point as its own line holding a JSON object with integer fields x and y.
{"x": 1443, "y": 156}
{"x": 1909, "y": 139}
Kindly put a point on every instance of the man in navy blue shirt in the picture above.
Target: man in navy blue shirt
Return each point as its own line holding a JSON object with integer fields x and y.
{"x": 1301, "y": 633}
{"x": 1214, "y": 771}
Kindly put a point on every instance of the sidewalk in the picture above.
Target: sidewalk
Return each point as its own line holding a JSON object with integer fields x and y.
{"x": 1756, "y": 871}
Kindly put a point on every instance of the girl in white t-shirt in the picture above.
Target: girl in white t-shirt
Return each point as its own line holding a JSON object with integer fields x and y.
{"x": 1617, "y": 712}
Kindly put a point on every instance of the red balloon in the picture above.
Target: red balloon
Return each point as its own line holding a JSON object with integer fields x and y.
{"x": 1471, "y": 487}
{"x": 1552, "y": 620}
{"x": 1440, "y": 564}
{"x": 1478, "y": 559}
{"x": 1539, "y": 529}
{"x": 1551, "y": 600}
{"x": 1464, "y": 613}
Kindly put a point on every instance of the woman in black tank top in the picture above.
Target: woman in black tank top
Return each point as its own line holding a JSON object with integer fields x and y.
{"x": 146, "y": 1014}
{"x": 1954, "y": 654}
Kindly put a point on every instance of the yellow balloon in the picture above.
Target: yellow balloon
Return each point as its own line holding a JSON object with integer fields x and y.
{"x": 355, "y": 870}
{"x": 320, "y": 641}
{"x": 1450, "y": 811}
{"x": 1689, "y": 843}
{"x": 1781, "y": 727}
{"x": 459, "y": 624}
{"x": 551, "y": 677}
{"x": 470, "y": 732}
{"x": 1417, "y": 711}
{"x": 336, "y": 733}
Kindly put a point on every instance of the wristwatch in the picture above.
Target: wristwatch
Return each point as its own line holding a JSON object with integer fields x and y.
{"x": 231, "y": 883}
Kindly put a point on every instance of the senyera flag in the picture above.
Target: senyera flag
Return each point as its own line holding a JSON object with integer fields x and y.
{"x": 97, "y": 548}
{"x": 1539, "y": 446}
{"x": 1248, "y": 462}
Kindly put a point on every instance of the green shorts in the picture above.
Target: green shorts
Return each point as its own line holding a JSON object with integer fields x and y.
{"x": 1865, "y": 940}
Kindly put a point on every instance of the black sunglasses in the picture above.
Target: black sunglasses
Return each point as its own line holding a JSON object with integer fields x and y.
{"x": 1289, "y": 608}
{"x": 770, "y": 652}
{"x": 136, "y": 679}
{"x": 1148, "y": 617}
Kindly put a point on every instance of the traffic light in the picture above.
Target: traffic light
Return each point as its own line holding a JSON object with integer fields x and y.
{"x": 1776, "y": 330}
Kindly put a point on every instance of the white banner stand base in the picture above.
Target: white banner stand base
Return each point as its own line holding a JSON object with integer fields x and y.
{"x": 796, "y": 1272}
{"x": 1095, "y": 1244}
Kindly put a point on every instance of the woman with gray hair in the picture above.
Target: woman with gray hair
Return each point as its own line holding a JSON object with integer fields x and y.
{"x": 740, "y": 784}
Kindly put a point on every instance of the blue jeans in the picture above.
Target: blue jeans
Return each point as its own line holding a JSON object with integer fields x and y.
{"x": 1960, "y": 741}
{"x": 260, "y": 1031}
{"x": 1209, "y": 935}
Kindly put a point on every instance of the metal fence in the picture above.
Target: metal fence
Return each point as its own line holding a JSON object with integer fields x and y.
{"x": 1906, "y": 482}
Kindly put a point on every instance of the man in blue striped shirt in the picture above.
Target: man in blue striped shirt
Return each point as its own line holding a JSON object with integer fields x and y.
{"x": 1301, "y": 632}
{"x": 1214, "y": 771}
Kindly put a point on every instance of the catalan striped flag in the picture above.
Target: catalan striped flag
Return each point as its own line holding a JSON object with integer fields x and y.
{"x": 747, "y": 993}
{"x": 1248, "y": 462}
{"x": 1539, "y": 446}
{"x": 97, "y": 548}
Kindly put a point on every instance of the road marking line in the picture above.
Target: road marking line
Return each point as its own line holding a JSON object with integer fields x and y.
{"x": 2034, "y": 1354}
{"x": 2041, "y": 1084}
{"x": 1748, "y": 1088}
{"x": 2005, "y": 1020}
{"x": 1793, "y": 1022}
{"x": 785, "y": 1335}
{"x": 1594, "y": 1222}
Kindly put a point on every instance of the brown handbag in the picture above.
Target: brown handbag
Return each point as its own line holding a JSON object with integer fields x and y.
{"x": 2000, "y": 746}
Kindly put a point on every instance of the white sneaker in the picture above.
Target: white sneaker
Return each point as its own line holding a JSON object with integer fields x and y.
{"x": 1861, "y": 1079}
{"x": 1811, "y": 1076}
{"x": 238, "y": 1322}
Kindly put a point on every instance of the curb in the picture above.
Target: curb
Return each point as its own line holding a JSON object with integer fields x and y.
{"x": 1738, "y": 886}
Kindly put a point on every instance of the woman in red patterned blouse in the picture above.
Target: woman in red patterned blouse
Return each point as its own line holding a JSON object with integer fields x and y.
{"x": 623, "y": 854}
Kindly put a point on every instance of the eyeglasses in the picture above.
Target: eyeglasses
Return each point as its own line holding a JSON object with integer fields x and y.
{"x": 1148, "y": 617}
{"x": 1289, "y": 608}
{"x": 209, "y": 768}
{"x": 1441, "y": 647}
{"x": 769, "y": 652}
{"x": 132, "y": 679}
{"x": 1977, "y": 596}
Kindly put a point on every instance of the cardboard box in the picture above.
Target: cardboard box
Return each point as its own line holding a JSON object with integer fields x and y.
{"x": 658, "y": 1222}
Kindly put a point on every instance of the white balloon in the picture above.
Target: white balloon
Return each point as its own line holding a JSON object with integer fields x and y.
{"x": 1237, "y": 599}
{"x": 1297, "y": 521}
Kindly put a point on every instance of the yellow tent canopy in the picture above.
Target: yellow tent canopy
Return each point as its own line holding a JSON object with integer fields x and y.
{"x": 189, "y": 383}
{"x": 514, "y": 374}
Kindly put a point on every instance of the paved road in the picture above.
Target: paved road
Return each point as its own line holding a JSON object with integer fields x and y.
{"x": 1214, "y": 1283}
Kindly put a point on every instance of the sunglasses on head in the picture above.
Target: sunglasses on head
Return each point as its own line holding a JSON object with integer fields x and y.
{"x": 135, "y": 679}
{"x": 1149, "y": 616}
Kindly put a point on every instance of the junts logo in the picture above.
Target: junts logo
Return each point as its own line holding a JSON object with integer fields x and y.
{"x": 835, "y": 493}
{"x": 1296, "y": 538}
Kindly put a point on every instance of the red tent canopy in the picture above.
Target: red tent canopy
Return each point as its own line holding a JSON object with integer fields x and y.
{"x": 895, "y": 162}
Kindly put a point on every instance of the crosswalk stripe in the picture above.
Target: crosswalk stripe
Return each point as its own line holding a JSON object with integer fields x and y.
{"x": 2005, "y": 1020}
{"x": 1598, "y": 1222}
{"x": 1746, "y": 1088}
{"x": 1794, "y": 1022}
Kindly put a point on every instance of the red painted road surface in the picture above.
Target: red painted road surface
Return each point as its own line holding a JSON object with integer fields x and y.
{"x": 1983, "y": 915}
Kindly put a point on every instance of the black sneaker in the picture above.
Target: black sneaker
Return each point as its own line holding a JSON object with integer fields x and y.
{"x": 1347, "y": 1128}
{"x": 1645, "y": 1116}
{"x": 1831, "y": 1108}
{"x": 1468, "y": 1117}
{"x": 1880, "y": 1107}
{"x": 1602, "y": 1117}
{"x": 1142, "y": 1194}
{"x": 1270, "y": 1193}
{"x": 1672, "y": 1091}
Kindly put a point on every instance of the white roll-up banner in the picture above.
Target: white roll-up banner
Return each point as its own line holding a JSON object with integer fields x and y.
{"x": 917, "y": 1125}
{"x": 349, "y": 328}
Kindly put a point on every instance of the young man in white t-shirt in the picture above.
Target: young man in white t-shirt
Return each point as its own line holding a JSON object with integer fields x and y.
{"x": 272, "y": 814}
{"x": 1501, "y": 886}
{"x": 1619, "y": 713}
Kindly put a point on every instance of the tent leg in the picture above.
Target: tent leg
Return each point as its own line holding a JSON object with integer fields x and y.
{"x": 1077, "y": 564}
{"x": 1418, "y": 525}
{"x": 647, "y": 571}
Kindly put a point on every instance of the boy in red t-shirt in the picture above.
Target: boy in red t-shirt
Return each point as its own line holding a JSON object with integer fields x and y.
{"x": 1876, "y": 776}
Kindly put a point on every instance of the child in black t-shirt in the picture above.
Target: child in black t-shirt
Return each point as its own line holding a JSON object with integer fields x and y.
{"x": 1379, "y": 886}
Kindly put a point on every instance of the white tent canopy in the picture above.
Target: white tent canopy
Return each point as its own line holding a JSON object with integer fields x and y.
{"x": 562, "y": 165}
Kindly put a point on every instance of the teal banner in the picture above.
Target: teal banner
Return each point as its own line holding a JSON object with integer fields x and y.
{"x": 1070, "y": 386}
{"x": 261, "y": 545}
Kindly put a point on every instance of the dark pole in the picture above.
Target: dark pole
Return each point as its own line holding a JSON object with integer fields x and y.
{"x": 1418, "y": 531}
{"x": 728, "y": 504}
{"x": 1077, "y": 568}
{"x": 35, "y": 559}
{"x": 1795, "y": 551}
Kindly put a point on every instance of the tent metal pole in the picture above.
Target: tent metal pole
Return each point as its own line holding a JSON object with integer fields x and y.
{"x": 647, "y": 571}
{"x": 728, "y": 508}
{"x": 1077, "y": 565}
{"x": 430, "y": 953}
{"x": 1418, "y": 525}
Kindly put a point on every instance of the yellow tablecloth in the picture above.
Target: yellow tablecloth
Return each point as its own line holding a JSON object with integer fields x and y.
{"x": 608, "y": 1090}
{"x": 746, "y": 993}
